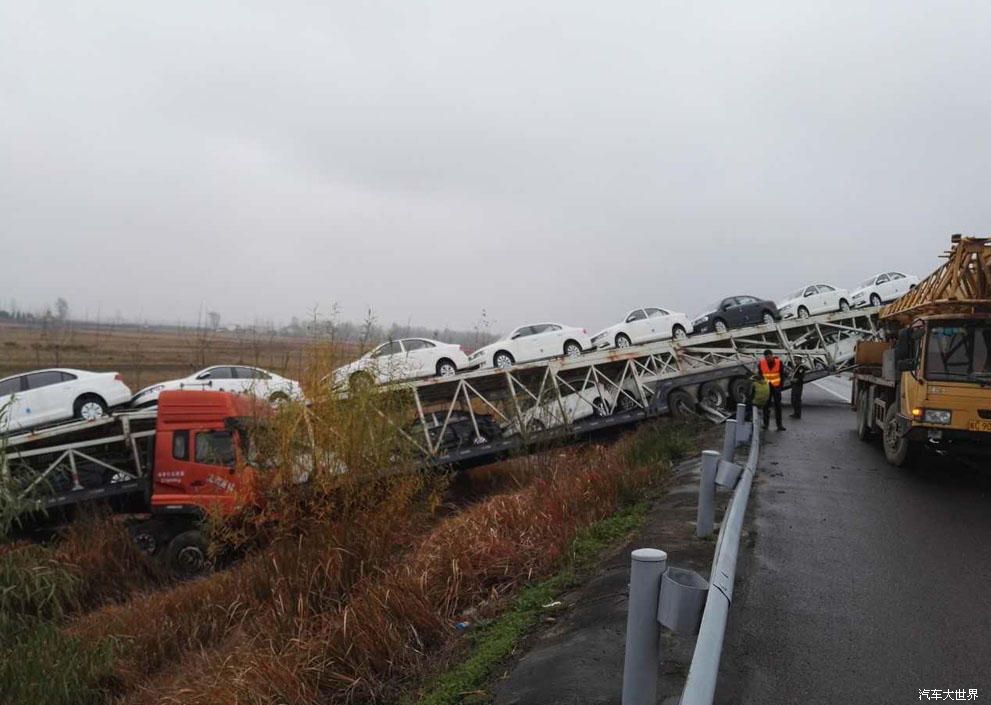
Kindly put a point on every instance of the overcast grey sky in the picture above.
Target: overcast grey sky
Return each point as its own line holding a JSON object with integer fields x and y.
{"x": 556, "y": 160}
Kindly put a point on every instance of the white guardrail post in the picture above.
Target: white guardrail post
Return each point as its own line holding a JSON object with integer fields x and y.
{"x": 643, "y": 633}
{"x": 682, "y": 600}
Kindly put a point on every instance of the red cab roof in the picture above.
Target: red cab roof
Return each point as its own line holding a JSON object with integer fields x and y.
{"x": 180, "y": 408}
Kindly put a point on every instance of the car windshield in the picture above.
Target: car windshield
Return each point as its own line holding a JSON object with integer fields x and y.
{"x": 959, "y": 351}
{"x": 867, "y": 282}
{"x": 795, "y": 294}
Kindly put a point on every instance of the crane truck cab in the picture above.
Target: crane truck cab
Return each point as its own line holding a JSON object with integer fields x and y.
{"x": 929, "y": 382}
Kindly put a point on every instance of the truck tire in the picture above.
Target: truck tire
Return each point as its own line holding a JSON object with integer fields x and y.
{"x": 898, "y": 450}
{"x": 186, "y": 555}
{"x": 739, "y": 389}
{"x": 713, "y": 395}
{"x": 681, "y": 404}
{"x": 865, "y": 422}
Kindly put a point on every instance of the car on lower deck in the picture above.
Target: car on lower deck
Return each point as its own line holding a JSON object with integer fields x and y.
{"x": 814, "y": 299}
{"x": 737, "y": 312}
{"x": 644, "y": 325}
{"x": 59, "y": 394}
{"x": 537, "y": 341}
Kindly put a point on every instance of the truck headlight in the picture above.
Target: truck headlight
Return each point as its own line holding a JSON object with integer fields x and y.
{"x": 940, "y": 416}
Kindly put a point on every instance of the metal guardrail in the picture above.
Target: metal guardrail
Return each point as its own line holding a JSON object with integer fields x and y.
{"x": 682, "y": 600}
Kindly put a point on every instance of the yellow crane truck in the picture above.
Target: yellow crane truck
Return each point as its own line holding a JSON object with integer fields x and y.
{"x": 928, "y": 383}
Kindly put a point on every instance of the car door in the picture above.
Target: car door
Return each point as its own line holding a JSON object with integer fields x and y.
{"x": 828, "y": 298}
{"x": 419, "y": 358}
{"x": 518, "y": 345}
{"x": 251, "y": 380}
{"x": 550, "y": 340}
{"x": 387, "y": 360}
{"x": 637, "y": 326}
{"x": 898, "y": 283}
{"x": 745, "y": 311}
{"x": 43, "y": 399}
{"x": 658, "y": 324}
{"x": 882, "y": 285}
{"x": 11, "y": 405}
{"x": 216, "y": 379}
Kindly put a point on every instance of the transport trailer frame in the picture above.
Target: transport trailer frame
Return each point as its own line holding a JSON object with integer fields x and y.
{"x": 560, "y": 397}
{"x": 79, "y": 461}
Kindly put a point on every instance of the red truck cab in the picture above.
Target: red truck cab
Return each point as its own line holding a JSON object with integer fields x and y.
{"x": 202, "y": 466}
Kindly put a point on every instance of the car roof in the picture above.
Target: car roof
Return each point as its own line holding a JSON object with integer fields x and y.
{"x": 70, "y": 370}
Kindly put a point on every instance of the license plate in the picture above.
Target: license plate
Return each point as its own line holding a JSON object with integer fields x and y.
{"x": 984, "y": 426}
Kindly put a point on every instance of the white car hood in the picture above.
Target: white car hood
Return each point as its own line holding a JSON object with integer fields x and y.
{"x": 609, "y": 330}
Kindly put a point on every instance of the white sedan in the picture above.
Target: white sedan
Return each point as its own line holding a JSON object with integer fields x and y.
{"x": 227, "y": 378}
{"x": 814, "y": 299}
{"x": 537, "y": 341}
{"x": 882, "y": 288}
{"x": 408, "y": 358}
{"x": 643, "y": 325}
{"x": 47, "y": 396}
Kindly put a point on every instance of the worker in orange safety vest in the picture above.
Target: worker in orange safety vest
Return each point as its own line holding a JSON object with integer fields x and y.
{"x": 771, "y": 368}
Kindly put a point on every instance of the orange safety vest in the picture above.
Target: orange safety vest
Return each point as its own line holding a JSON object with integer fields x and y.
{"x": 772, "y": 372}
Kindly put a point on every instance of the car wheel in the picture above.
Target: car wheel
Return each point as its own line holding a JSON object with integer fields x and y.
{"x": 600, "y": 408}
{"x": 802, "y": 313}
{"x": 572, "y": 349}
{"x": 768, "y": 319}
{"x": 186, "y": 555}
{"x": 535, "y": 426}
{"x": 844, "y": 305}
{"x": 720, "y": 326}
{"x": 622, "y": 341}
{"x": 681, "y": 404}
{"x": 279, "y": 398}
{"x": 678, "y": 333}
{"x": 446, "y": 368}
{"x": 89, "y": 407}
{"x": 713, "y": 395}
{"x": 361, "y": 381}
{"x": 503, "y": 360}
{"x": 875, "y": 300}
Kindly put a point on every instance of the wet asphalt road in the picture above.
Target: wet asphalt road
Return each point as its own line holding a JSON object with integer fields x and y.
{"x": 860, "y": 582}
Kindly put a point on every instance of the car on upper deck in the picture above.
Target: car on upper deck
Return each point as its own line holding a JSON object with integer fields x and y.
{"x": 46, "y": 396}
{"x": 737, "y": 312}
{"x": 536, "y": 341}
{"x": 644, "y": 325}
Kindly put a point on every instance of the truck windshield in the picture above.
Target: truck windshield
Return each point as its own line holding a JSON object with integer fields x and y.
{"x": 959, "y": 352}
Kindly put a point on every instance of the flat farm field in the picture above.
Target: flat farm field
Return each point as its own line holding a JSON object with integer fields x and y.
{"x": 147, "y": 356}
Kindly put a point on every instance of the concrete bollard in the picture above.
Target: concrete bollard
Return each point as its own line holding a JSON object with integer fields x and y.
{"x": 707, "y": 494}
{"x": 642, "y": 657}
{"x": 729, "y": 440}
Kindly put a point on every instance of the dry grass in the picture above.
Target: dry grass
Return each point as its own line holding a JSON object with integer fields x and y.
{"x": 383, "y": 629}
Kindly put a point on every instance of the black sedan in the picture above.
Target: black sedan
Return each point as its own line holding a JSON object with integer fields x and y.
{"x": 737, "y": 312}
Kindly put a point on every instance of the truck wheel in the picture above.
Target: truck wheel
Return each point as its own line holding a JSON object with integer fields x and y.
{"x": 898, "y": 450}
{"x": 865, "y": 428}
{"x": 186, "y": 555}
{"x": 681, "y": 404}
{"x": 713, "y": 395}
{"x": 739, "y": 390}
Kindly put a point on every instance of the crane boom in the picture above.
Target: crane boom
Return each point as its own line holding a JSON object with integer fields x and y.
{"x": 962, "y": 285}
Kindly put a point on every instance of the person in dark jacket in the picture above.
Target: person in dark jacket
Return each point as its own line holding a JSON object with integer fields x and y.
{"x": 797, "y": 382}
